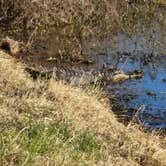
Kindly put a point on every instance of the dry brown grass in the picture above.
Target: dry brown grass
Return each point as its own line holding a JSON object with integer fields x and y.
{"x": 62, "y": 27}
{"x": 68, "y": 22}
{"x": 91, "y": 134}
{"x": 50, "y": 123}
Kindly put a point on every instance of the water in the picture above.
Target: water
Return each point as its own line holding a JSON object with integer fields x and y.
{"x": 148, "y": 93}
{"x": 146, "y": 96}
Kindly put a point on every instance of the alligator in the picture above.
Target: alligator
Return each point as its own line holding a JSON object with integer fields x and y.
{"x": 81, "y": 77}
{"x": 72, "y": 76}
{"x": 76, "y": 77}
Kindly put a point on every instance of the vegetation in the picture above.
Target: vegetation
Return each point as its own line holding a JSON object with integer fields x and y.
{"x": 63, "y": 28}
{"x": 49, "y": 122}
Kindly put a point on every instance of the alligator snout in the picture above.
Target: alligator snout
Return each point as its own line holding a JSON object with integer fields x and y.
{"x": 121, "y": 77}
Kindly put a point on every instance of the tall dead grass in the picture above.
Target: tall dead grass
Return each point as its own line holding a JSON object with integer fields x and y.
{"x": 48, "y": 123}
{"x": 61, "y": 27}
{"x": 82, "y": 19}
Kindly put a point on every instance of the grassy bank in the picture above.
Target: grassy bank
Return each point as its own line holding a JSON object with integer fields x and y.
{"x": 50, "y": 123}
{"x": 63, "y": 28}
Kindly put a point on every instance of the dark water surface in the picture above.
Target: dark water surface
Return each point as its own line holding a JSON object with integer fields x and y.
{"x": 147, "y": 96}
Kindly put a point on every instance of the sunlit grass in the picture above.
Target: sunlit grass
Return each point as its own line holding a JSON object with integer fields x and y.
{"x": 48, "y": 123}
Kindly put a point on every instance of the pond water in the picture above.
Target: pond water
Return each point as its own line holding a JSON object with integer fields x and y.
{"x": 146, "y": 96}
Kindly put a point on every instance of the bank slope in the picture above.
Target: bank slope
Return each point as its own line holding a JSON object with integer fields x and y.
{"x": 50, "y": 123}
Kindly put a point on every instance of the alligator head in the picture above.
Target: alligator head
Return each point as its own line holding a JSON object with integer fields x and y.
{"x": 113, "y": 74}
